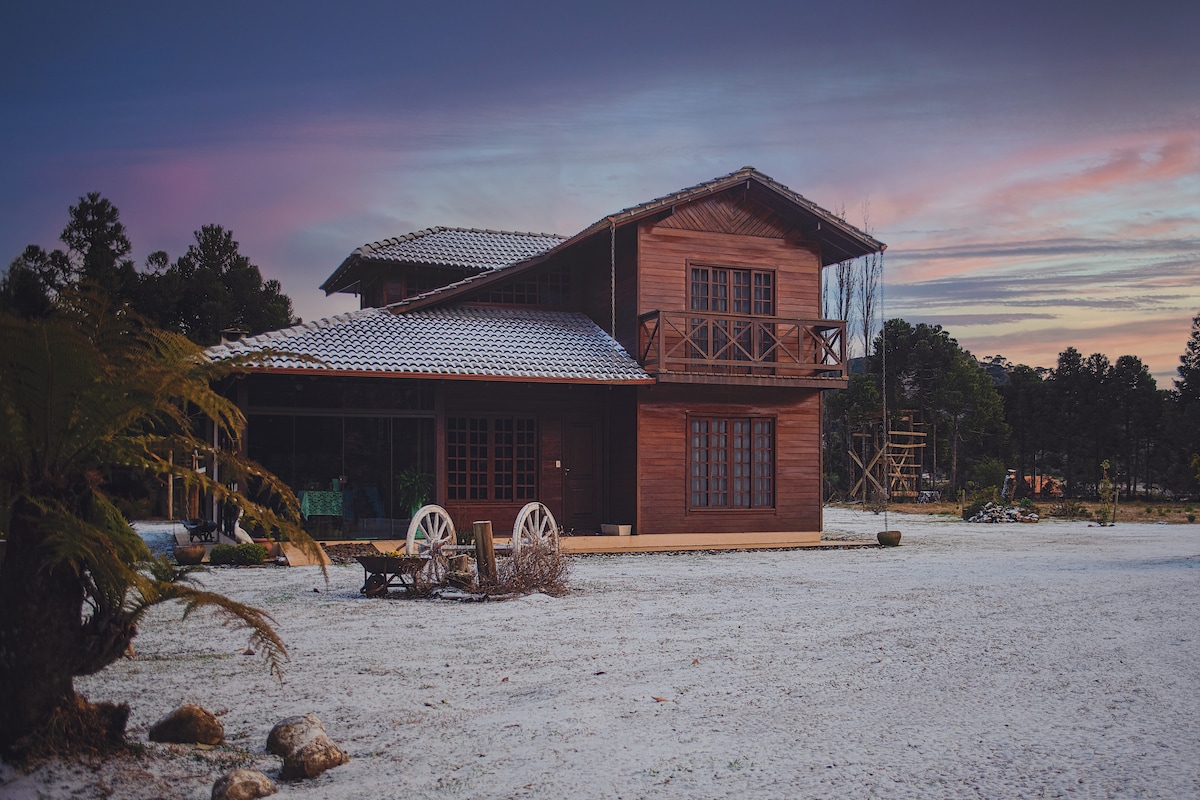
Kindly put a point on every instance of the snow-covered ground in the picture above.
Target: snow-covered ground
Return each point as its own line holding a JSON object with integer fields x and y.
{"x": 989, "y": 661}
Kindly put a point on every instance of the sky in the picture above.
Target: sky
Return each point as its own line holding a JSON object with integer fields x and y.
{"x": 1034, "y": 167}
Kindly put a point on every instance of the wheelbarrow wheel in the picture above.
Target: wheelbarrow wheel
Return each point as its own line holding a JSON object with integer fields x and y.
{"x": 376, "y": 585}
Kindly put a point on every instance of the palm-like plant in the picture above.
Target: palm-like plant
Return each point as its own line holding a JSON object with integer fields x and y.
{"x": 85, "y": 389}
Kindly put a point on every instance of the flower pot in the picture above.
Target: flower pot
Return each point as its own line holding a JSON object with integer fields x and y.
{"x": 888, "y": 538}
{"x": 189, "y": 554}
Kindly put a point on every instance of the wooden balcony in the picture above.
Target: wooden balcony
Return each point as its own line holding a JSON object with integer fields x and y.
{"x": 699, "y": 347}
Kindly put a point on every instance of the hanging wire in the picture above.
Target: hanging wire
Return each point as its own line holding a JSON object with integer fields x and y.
{"x": 887, "y": 481}
{"x": 612, "y": 277}
{"x": 612, "y": 290}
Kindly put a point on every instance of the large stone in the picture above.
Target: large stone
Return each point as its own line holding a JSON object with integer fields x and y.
{"x": 312, "y": 759}
{"x": 305, "y": 748}
{"x": 188, "y": 724}
{"x": 243, "y": 784}
{"x": 290, "y": 735}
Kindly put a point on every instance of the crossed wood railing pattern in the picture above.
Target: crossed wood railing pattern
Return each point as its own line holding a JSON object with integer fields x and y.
{"x": 729, "y": 344}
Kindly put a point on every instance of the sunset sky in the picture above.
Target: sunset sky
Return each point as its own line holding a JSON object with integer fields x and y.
{"x": 1034, "y": 168}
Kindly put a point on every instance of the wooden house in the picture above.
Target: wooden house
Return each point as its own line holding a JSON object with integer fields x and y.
{"x": 661, "y": 369}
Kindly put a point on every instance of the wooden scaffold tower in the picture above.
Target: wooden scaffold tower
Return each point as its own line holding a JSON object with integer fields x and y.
{"x": 888, "y": 464}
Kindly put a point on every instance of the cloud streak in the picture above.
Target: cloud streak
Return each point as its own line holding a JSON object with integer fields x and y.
{"x": 1028, "y": 179}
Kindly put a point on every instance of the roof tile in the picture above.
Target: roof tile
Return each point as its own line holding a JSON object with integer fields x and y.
{"x": 460, "y": 247}
{"x": 479, "y": 342}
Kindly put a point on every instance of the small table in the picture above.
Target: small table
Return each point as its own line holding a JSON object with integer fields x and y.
{"x": 320, "y": 504}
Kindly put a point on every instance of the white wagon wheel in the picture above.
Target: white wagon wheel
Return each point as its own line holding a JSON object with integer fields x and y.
{"x": 535, "y": 525}
{"x": 437, "y": 528}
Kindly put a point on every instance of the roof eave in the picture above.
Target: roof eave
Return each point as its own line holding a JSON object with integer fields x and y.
{"x": 448, "y": 376}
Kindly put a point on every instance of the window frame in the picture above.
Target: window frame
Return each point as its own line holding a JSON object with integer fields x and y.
{"x": 730, "y": 463}
{"x": 490, "y": 456}
{"x": 759, "y": 278}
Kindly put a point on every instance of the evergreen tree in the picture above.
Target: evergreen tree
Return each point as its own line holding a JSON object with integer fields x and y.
{"x": 1188, "y": 382}
{"x": 931, "y": 375}
{"x": 213, "y": 287}
{"x": 96, "y": 239}
{"x": 1186, "y": 416}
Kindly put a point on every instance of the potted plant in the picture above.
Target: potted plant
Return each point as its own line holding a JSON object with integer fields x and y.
{"x": 413, "y": 489}
{"x": 189, "y": 554}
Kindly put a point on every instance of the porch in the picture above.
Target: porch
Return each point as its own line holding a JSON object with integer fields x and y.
{"x": 675, "y": 542}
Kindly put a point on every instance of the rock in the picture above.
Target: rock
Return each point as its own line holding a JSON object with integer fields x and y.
{"x": 305, "y": 748}
{"x": 243, "y": 784}
{"x": 188, "y": 724}
{"x": 312, "y": 759}
{"x": 991, "y": 512}
{"x": 290, "y": 734}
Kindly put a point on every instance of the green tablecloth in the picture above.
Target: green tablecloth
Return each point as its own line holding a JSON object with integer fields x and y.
{"x": 323, "y": 504}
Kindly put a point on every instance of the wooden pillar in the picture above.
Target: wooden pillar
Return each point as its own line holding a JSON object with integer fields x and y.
{"x": 170, "y": 486}
{"x": 485, "y": 553}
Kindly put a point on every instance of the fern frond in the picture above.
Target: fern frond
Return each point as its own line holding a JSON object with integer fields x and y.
{"x": 263, "y": 638}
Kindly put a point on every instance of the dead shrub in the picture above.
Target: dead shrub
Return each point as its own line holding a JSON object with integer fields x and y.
{"x": 533, "y": 568}
{"x": 1069, "y": 509}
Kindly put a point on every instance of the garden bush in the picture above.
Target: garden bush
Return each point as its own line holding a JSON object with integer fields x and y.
{"x": 248, "y": 554}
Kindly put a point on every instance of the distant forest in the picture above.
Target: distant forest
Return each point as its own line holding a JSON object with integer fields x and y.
{"x": 1064, "y": 430}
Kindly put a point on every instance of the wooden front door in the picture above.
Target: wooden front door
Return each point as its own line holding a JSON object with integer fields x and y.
{"x": 583, "y": 473}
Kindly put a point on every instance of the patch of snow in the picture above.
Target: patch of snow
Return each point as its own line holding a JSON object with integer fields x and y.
{"x": 159, "y": 536}
{"x": 972, "y": 661}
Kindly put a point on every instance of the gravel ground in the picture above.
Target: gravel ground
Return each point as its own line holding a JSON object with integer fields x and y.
{"x": 1014, "y": 661}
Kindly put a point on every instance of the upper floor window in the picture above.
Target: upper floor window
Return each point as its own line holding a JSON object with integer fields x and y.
{"x": 551, "y": 288}
{"x": 725, "y": 290}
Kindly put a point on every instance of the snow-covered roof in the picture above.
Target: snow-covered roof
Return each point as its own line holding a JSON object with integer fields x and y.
{"x": 466, "y": 248}
{"x": 457, "y": 341}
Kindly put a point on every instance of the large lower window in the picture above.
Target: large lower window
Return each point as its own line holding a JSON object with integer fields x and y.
{"x": 732, "y": 462}
{"x": 491, "y": 458}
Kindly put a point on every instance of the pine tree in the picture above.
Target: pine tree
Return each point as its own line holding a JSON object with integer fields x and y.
{"x": 1188, "y": 382}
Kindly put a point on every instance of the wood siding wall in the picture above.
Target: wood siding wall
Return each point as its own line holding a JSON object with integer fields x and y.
{"x": 550, "y": 405}
{"x": 591, "y": 270}
{"x": 663, "y": 458}
{"x": 665, "y": 253}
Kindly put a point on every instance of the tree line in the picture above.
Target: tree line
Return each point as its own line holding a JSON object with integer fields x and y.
{"x": 1071, "y": 426}
{"x": 211, "y": 288}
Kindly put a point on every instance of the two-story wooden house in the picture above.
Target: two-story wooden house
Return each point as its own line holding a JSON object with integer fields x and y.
{"x": 662, "y": 368}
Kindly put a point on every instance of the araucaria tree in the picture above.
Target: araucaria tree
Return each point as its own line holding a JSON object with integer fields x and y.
{"x": 83, "y": 389}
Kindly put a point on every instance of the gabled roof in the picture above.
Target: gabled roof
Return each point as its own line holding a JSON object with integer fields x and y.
{"x": 465, "y": 248}
{"x": 839, "y": 239}
{"x": 843, "y": 240}
{"x": 481, "y": 343}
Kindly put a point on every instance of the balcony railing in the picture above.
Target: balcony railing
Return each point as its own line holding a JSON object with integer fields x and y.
{"x": 700, "y": 343}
